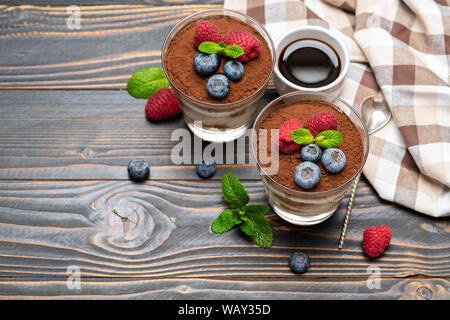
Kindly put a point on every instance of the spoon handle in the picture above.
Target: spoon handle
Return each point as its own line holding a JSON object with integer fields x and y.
{"x": 349, "y": 210}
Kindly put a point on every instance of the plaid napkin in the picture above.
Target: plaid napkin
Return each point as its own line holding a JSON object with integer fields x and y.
{"x": 400, "y": 50}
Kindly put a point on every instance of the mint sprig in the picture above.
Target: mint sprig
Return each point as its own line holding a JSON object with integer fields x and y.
{"x": 145, "y": 82}
{"x": 249, "y": 217}
{"x": 325, "y": 139}
{"x": 233, "y": 191}
{"x": 233, "y": 51}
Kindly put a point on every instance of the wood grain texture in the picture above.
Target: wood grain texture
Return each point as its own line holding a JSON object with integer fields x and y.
{"x": 225, "y": 289}
{"x": 39, "y": 51}
{"x": 92, "y": 135}
{"x": 62, "y": 170}
{"x": 46, "y": 226}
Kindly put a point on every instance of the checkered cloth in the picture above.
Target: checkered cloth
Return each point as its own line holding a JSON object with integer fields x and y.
{"x": 401, "y": 48}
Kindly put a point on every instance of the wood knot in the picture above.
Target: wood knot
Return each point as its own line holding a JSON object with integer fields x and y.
{"x": 130, "y": 226}
{"x": 424, "y": 293}
{"x": 87, "y": 153}
{"x": 131, "y": 218}
{"x": 421, "y": 290}
{"x": 183, "y": 289}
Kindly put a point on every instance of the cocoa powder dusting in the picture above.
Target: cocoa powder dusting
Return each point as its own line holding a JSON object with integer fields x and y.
{"x": 179, "y": 62}
{"x": 351, "y": 145}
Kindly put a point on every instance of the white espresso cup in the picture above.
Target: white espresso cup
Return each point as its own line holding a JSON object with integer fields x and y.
{"x": 329, "y": 37}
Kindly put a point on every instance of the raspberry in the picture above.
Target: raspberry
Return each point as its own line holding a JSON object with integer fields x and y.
{"x": 163, "y": 104}
{"x": 321, "y": 121}
{"x": 287, "y": 128}
{"x": 376, "y": 239}
{"x": 247, "y": 41}
{"x": 286, "y": 147}
{"x": 206, "y": 31}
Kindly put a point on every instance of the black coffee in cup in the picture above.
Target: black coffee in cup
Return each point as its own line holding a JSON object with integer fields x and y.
{"x": 309, "y": 63}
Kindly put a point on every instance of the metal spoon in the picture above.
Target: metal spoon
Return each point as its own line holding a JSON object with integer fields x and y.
{"x": 375, "y": 114}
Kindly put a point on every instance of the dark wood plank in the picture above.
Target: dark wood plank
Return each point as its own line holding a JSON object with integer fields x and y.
{"x": 46, "y": 226}
{"x": 39, "y": 51}
{"x": 90, "y": 135}
{"x": 206, "y": 289}
{"x": 165, "y": 250}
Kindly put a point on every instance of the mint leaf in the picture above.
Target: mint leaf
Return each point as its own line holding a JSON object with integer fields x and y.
{"x": 250, "y": 218}
{"x": 210, "y": 47}
{"x": 328, "y": 139}
{"x": 225, "y": 221}
{"x": 263, "y": 231}
{"x": 233, "y": 51}
{"x": 255, "y": 209}
{"x": 302, "y": 136}
{"x": 233, "y": 191}
{"x": 247, "y": 226}
{"x": 146, "y": 82}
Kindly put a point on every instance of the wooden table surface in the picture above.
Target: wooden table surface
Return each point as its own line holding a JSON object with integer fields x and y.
{"x": 67, "y": 131}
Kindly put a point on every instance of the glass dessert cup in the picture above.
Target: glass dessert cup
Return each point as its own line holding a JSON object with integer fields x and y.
{"x": 302, "y": 207}
{"x": 219, "y": 122}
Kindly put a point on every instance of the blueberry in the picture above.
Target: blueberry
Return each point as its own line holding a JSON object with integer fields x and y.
{"x": 312, "y": 152}
{"x": 138, "y": 169}
{"x": 206, "y": 64}
{"x": 333, "y": 160}
{"x": 218, "y": 86}
{"x": 307, "y": 175}
{"x": 299, "y": 262}
{"x": 206, "y": 170}
{"x": 234, "y": 70}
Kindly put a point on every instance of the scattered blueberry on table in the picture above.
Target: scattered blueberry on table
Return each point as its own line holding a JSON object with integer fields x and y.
{"x": 307, "y": 175}
{"x": 234, "y": 70}
{"x": 138, "y": 169}
{"x": 299, "y": 262}
{"x": 333, "y": 160}
{"x": 218, "y": 86}
{"x": 205, "y": 170}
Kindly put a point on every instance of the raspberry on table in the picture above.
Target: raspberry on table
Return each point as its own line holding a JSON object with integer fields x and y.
{"x": 248, "y": 42}
{"x": 163, "y": 104}
{"x": 206, "y": 31}
{"x": 321, "y": 121}
{"x": 376, "y": 240}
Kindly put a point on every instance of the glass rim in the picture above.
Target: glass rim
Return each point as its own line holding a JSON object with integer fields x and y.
{"x": 219, "y": 11}
{"x": 315, "y": 193}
